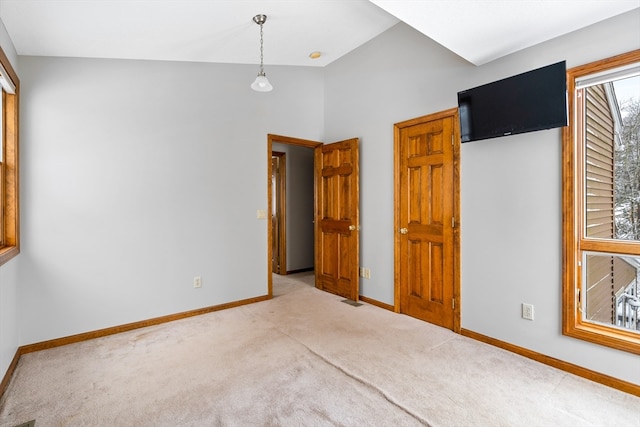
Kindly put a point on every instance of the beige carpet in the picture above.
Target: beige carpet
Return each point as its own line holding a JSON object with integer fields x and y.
{"x": 301, "y": 359}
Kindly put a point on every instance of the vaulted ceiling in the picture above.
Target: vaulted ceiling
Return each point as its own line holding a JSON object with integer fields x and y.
{"x": 223, "y": 31}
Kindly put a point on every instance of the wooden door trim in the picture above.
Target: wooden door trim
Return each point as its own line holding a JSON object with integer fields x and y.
{"x": 281, "y": 202}
{"x": 271, "y": 138}
{"x": 453, "y": 112}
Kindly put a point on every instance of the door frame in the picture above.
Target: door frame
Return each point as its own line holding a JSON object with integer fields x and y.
{"x": 290, "y": 141}
{"x": 456, "y": 207}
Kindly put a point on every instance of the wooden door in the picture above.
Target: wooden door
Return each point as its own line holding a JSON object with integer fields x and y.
{"x": 337, "y": 218}
{"x": 426, "y": 218}
{"x": 278, "y": 213}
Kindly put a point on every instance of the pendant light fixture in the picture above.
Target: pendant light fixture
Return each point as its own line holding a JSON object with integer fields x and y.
{"x": 261, "y": 84}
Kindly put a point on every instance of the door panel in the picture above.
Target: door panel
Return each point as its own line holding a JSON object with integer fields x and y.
{"x": 425, "y": 279}
{"x": 425, "y": 215}
{"x": 337, "y": 236}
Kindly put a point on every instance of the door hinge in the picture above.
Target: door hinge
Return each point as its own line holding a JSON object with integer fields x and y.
{"x": 453, "y": 303}
{"x": 453, "y": 222}
{"x": 452, "y": 138}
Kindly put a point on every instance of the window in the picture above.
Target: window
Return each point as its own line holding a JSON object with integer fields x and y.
{"x": 601, "y": 203}
{"x": 9, "y": 206}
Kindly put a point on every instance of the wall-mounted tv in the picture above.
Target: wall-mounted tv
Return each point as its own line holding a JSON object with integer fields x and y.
{"x": 527, "y": 102}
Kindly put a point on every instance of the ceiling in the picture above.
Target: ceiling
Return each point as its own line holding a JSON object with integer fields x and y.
{"x": 222, "y": 31}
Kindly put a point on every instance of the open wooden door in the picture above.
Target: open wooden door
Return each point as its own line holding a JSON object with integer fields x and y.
{"x": 427, "y": 200}
{"x": 337, "y": 237}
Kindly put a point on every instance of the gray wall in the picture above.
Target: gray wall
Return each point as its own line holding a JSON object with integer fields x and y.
{"x": 299, "y": 217}
{"x": 511, "y": 209}
{"x": 138, "y": 176}
{"x": 9, "y": 340}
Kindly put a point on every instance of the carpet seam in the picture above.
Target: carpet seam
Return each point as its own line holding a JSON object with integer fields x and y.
{"x": 360, "y": 380}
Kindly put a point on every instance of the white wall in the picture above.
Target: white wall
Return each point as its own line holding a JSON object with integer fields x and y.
{"x": 8, "y": 279}
{"x": 299, "y": 201}
{"x": 511, "y": 187}
{"x": 138, "y": 176}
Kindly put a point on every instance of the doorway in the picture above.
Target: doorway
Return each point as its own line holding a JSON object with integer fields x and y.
{"x": 427, "y": 200}
{"x": 288, "y": 147}
{"x": 335, "y": 214}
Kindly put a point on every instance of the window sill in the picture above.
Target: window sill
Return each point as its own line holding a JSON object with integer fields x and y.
{"x": 599, "y": 334}
{"x": 7, "y": 253}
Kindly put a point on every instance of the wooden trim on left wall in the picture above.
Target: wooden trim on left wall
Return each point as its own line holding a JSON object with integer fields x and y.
{"x": 72, "y": 339}
{"x": 7, "y": 376}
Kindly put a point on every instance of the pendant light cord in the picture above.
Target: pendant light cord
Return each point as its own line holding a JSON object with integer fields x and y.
{"x": 261, "y": 52}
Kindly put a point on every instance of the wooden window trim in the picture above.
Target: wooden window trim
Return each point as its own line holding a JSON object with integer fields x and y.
{"x": 573, "y": 242}
{"x": 9, "y": 174}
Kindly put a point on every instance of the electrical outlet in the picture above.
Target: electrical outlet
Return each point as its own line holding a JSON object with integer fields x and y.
{"x": 197, "y": 282}
{"x": 527, "y": 311}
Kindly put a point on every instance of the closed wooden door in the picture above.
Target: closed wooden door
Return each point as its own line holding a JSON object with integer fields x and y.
{"x": 337, "y": 218}
{"x": 426, "y": 218}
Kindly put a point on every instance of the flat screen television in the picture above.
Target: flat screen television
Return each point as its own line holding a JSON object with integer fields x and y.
{"x": 526, "y": 102}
